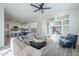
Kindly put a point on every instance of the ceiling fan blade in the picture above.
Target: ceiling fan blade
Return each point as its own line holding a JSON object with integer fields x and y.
{"x": 42, "y": 4}
{"x": 46, "y": 8}
{"x": 34, "y": 6}
{"x": 36, "y": 10}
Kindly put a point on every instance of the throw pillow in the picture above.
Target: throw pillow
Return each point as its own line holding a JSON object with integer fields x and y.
{"x": 38, "y": 45}
{"x": 27, "y": 41}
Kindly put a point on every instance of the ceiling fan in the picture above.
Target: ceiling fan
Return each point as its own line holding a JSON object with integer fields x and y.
{"x": 40, "y": 7}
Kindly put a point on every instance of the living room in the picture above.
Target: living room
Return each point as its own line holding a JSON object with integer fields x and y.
{"x": 47, "y": 25}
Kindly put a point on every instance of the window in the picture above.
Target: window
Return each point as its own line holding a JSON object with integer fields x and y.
{"x": 59, "y": 25}
{"x": 48, "y": 28}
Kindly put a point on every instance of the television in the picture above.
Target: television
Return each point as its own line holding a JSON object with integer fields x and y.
{"x": 15, "y": 27}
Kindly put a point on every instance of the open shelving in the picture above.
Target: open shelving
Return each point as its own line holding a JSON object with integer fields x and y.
{"x": 61, "y": 24}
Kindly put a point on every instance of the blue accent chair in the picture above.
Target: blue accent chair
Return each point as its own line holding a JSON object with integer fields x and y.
{"x": 69, "y": 41}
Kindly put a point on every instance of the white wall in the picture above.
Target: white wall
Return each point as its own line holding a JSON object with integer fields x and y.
{"x": 1, "y": 26}
{"x": 40, "y": 25}
{"x": 73, "y": 22}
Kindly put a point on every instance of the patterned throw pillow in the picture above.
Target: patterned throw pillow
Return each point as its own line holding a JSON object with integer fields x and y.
{"x": 27, "y": 41}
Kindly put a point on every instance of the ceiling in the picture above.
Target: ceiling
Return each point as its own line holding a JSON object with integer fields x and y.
{"x": 18, "y": 11}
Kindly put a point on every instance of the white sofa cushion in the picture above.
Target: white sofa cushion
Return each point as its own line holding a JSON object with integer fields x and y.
{"x": 21, "y": 49}
{"x": 30, "y": 51}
